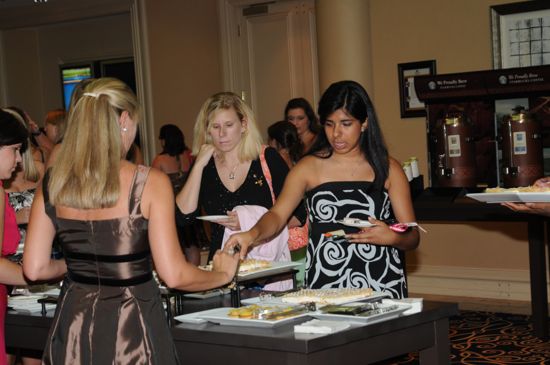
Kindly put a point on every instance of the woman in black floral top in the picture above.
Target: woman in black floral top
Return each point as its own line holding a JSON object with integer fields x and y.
{"x": 227, "y": 170}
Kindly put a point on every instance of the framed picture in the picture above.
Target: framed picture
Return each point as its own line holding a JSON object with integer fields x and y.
{"x": 521, "y": 34}
{"x": 411, "y": 107}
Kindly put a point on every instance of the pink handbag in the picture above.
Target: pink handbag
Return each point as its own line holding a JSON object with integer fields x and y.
{"x": 298, "y": 236}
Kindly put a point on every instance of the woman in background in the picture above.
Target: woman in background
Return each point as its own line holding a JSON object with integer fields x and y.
{"x": 13, "y": 140}
{"x": 227, "y": 171}
{"x": 111, "y": 217}
{"x": 20, "y": 188}
{"x": 299, "y": 112}
{"x": 175, "y": 160}
{"x": 348, "y": 174}
{"x": 283, "y": 136}
{"x": 23, "y": 183}
{"x": 54, "y": 129}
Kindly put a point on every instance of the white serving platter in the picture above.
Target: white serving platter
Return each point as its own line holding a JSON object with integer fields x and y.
{"x": 28, "y": 303}
{"x": 194, "y": 318}
{"x": 373, "y": 318}
{"x": 220, "y": 316}
{"x": 512, "y": 197}
{"x": 213, "y": 218}
{"x": 279, "y": 300}
{"x": 276, "y": 268}
{"x": 208, "y": 293}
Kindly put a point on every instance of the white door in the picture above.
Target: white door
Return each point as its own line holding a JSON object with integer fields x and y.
{"x": 270, "y": 54}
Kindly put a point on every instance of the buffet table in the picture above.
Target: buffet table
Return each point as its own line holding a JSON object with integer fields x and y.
{"x": 426, "y": 332}
{"x": 451, "y": 204}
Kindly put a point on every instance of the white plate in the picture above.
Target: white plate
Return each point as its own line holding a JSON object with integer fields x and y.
{"x": 376, "y": 295}
{"x": 359, "y": 223}
{"x": 276, "y": 268}
{"x": 513, "y": 197}
{"x": 213, "y": 218}
{"x": 365, "y": 224}
{"x": 219, "y": 315}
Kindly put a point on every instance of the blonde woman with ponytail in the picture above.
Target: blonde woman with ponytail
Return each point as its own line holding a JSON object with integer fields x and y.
{"x": 112, "y": 217}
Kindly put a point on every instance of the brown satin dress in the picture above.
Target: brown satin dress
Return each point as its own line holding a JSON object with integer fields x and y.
{"x": 110, "y": 310}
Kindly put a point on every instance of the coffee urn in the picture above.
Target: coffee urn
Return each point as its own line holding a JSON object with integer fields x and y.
{"x": 453, "y": 138}
{"x": 522, "y": 159}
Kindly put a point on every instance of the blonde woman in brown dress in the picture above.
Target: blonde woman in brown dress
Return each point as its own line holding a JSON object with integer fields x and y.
{"x": 113, "y": 220}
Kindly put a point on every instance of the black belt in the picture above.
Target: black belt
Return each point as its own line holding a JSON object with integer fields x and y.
{"x": 107, "y": 258}
{"x": 92, "y": 280}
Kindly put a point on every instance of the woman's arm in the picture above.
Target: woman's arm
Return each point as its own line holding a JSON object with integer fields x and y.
{"x": 170, "y": 262}
{"x": 401, "y": 202}
{"x": 277, "y": 217}
{"x": 188, "y": 198}
{"x": 37, "y": 261}
{"x": 531, "y": 208}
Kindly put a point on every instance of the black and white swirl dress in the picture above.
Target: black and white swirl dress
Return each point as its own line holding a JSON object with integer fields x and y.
{"x": 332, "y": 262}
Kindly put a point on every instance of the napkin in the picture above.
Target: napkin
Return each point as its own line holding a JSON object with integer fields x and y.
{"x": 318, "y": 326}
{"x": 415, "y": 303}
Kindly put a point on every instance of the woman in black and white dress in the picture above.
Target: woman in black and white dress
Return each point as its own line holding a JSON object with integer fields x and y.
{"x": 348, "y": 174}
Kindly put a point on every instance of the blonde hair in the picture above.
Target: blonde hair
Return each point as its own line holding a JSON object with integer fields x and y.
{"x": 250, "y": 144}
{"x": 57, "y": 118}
{"x": 30, "y": 170}
{"x": 86, "y": 173}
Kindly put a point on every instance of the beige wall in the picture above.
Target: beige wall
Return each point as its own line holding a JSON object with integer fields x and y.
{"x": 185, "y": 69}
{"x": 185, "y": 60}
{"x": 32, "y": 56}
{"x": 457, "y": 35}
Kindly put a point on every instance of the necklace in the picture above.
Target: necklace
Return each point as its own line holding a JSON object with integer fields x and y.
{"x": 232, "y": 173}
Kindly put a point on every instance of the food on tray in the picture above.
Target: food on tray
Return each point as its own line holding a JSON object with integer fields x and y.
{"x": 337, "y": 233}
{"x": 360, "y": 309}
{"x": 246, "y": 266}
{"x": 326, "y": 296}
{"x": 521, "y": 189}
{"x": 265, "y": 312}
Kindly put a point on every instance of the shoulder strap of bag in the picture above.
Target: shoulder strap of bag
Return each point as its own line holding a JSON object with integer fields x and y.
{"x": 267, "y": 173}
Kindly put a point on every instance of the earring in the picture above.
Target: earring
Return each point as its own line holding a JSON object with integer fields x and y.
{"x": 124, "y": 129}
{"x": 362, "y": 129}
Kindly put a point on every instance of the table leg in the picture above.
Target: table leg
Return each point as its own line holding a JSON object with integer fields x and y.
{"x": 440, "y": 352}
{"x": 537, "y": 272}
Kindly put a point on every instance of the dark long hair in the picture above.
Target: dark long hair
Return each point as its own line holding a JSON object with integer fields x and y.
{"x": 353, "y": 98}
{"x": 12, "y": 131}
{"x": 174, "y": 141}
{"x": 286, "y": 135}
{"x": 301, "y": 103}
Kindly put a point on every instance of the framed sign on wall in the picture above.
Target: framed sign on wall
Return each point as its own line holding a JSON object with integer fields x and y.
{"x": 521, "y": 34}
{"x": 410, "y": 106}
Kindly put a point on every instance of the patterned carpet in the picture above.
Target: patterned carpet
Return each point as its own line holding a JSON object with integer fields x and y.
{"x": 490, "y": 338}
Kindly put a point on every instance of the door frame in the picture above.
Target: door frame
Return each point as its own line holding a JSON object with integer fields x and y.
{"x": 234, "y": 69}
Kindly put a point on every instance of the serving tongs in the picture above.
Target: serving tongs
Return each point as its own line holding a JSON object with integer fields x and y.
{"x": 233, "y": 285}
{"x": 363, "y": 310}
{"x": 273, "y": 315}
